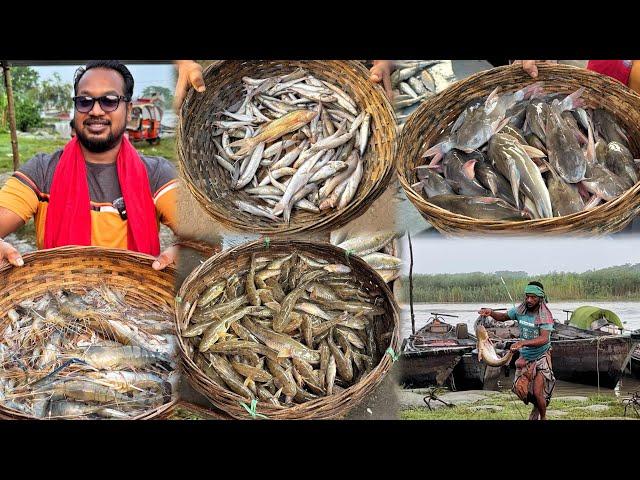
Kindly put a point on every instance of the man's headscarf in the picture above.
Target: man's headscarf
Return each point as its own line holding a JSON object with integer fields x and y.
{"x": 543, "y": 315}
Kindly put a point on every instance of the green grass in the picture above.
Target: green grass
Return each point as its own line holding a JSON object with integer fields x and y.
{"x": 28, "y": 147}
{"x": 514, "y": 409}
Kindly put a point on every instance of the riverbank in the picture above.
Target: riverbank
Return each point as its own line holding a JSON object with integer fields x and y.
{"x": 29, "y": 145}
{"x": 491, "y": 405}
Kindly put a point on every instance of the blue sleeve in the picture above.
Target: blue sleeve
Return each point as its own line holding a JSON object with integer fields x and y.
{"x": 511, "y": 313}
{"x": 546, "y": 326}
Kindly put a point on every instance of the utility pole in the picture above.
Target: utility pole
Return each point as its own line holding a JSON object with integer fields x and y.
{"x": 413, "y": 317}
{"x": 12, "y": 114}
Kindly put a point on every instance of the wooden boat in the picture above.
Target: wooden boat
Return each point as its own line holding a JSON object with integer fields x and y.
{"x": 429, "y": 356}
{"x": 581, "y": 356}
{"x": 471, "y": 374}
{"x": 634, "y": 359}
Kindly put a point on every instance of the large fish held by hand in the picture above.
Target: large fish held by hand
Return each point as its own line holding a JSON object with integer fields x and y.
{"x": 486, "y": 350}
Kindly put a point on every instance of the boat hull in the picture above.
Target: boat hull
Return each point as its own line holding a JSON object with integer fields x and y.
{"x": 591, "y": 362}
{"x": 430, "y": 367}
{"x": 471, "y": 374}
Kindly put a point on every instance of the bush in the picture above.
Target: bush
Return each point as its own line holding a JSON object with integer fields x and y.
{"x": 27, "y": 114}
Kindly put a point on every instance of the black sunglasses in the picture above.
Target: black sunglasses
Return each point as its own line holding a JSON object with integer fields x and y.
{"x": 108, "y": 103}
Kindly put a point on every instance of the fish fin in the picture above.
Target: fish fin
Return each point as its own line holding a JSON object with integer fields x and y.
{"x": 439, "y": 168}
{"x": 438, "y": 150}
{"x": 240, "y": 143}
{"x": 468, "y": 169}
{"x": 500, "y": 125}
{"x": 247, "y": 381}
{"x": 532, "y": 151}
{"x": 531, "y": 91}
{"x": 284, "y": 352}
{"x": 492, "y": 98}
{"x": 591, "y": 146}
{"x": 573, "y": 101}
{"x": 515, "y": 186}
{"x": 592, "y": 203}
{"x": 582, "y": 190}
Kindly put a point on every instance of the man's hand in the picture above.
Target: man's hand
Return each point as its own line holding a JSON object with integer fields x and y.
{"x": 516, "y": 346}
{"x": 8, "y": 253}
{"x": 485, "y": 312}
{"x": 530, "y": 67}
{"x": 189, "y": 75}
{"x": 166, "y": 258}
{"x": 381, "y": 72}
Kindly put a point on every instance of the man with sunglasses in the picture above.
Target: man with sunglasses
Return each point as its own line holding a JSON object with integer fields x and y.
{"x": 97, "y": 190}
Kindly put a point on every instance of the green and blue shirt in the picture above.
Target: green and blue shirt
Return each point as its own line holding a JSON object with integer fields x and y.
{"x": 529, "y": 330}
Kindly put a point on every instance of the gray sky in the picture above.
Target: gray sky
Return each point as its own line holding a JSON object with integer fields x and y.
{"x": 143, "y": 75}
{"x": 532, "y": 255}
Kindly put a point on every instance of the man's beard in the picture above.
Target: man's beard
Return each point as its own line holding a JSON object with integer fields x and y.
{"x": 99, "y": 145}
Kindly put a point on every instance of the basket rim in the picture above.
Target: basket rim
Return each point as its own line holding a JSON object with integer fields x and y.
{"x": 374, "y": 377}
{"x": 325, "y": 222}
{"x": 424, "y": 206}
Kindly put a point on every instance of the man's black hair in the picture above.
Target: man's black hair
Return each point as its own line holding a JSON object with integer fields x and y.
{"x": 109, "y": 64}
{"x": 537, "y": 284}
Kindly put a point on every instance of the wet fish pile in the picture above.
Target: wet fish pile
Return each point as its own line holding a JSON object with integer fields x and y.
{"x": 292, "y": 142}
{"x": 374, "y": 248}
{"x": 83, "y": 356}
{"x": 286, "y": 330}
{"x": 412, "y": 83}
{"x": 528, "y": 154}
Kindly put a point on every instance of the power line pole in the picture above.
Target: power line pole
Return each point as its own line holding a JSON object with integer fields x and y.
{"x": 12, "y": 114}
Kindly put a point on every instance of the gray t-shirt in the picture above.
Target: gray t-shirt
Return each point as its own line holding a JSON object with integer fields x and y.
{"x": 104, "y": 186}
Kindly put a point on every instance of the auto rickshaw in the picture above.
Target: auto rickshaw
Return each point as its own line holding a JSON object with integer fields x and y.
{"x": 146, "y": 117}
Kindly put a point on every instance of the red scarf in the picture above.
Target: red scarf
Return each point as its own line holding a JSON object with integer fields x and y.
{"x": 68, "y": 219}
{"x": 613, "y": 68}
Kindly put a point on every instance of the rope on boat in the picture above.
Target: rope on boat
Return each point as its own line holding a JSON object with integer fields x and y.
{"x": 598, "y": 362}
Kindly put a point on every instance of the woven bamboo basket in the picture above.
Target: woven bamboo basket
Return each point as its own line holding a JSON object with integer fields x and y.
{"x": 75, "y": 268}
{"x": 429, "y": 121}
{"x": 210, "y": 184}
{"x": 239, "y": 258}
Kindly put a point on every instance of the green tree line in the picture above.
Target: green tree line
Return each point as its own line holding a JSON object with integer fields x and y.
{"x": 31, "y": 96}
{"x": 614, "y": 283}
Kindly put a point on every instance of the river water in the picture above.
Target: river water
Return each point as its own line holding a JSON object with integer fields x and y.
{"x": 629, "y": 313}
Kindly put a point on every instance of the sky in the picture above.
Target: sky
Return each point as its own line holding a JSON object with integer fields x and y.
{"x": 143, "y": 75}
{"x": 533, "y": 255}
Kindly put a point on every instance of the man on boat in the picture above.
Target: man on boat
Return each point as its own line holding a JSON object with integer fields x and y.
{"x": 534, "y": 379}
{"x": 97, "y": 190}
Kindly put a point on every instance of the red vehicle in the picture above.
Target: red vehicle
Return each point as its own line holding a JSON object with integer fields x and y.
{"x": 146, "y": 117}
